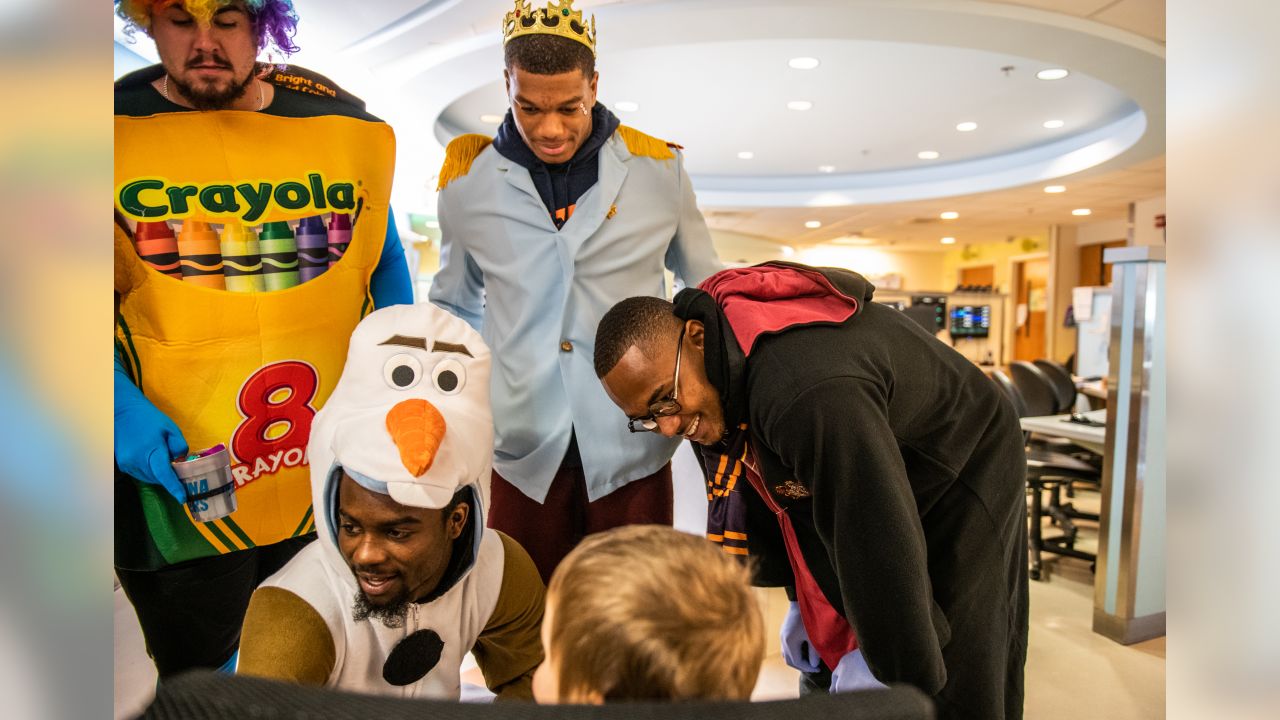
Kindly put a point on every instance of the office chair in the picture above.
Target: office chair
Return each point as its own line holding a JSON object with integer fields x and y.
{"x": 1036, "y": 388}
{"x": 1048, "y": 470}
{"x": 1064, "y": 388}
{"x": 207, "y": 695}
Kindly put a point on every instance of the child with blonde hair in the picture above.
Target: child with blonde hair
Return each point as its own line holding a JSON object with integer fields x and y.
{"x": 645, "y": 612}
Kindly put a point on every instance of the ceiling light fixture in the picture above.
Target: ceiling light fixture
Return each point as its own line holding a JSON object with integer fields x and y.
{"x": 949, "y": 215}
{"x": 813, "y": 224}
{"x": 626, "y": 106}
{"x": 799, "y": 105}
{"x": 491, "y": 119}
{"x": 1053, "y": 124}
{"x": 1053, "y": 74}
{"x": 1055, "y": 188}
{"x": 967, "y": 126}
{"x": 803, "y": 63}
{"x": 746, "y": 155}
{"x": 1082, "y": 211}
{"x": 927, "y": 154}
{"x": 948, "y": 241}
{"x": 826, "y": 168}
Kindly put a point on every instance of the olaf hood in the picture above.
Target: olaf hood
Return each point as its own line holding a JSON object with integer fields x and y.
{"x": 409, "y": 418}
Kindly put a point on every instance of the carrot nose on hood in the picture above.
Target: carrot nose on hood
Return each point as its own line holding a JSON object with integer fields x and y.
{"x": 417, "y": 428}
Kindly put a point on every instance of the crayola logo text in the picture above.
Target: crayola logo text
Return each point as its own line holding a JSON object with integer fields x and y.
{"x": 152, "y": 198}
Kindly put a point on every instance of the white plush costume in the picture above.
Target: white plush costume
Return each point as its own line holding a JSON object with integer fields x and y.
{"x": 406, "y": 364}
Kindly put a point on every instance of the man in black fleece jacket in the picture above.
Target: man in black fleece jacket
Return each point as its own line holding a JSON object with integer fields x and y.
{"x": 893, "y": 467}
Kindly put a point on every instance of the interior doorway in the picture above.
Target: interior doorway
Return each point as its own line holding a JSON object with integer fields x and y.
{"x": 1031, "y": 308}
{"x": 1093, "y": 272}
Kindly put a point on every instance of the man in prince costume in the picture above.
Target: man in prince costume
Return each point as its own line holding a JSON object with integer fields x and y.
{"x": 213, "y": 136}
{"x": 543, "y": 227}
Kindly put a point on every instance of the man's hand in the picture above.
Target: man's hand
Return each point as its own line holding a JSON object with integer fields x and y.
{"x": 852, "y": 674}
{"x": 797, "y": 651}
{"x": 147, "y": 440}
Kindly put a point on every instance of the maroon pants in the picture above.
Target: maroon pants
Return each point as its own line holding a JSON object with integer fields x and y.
{"x": 548, "y": 531}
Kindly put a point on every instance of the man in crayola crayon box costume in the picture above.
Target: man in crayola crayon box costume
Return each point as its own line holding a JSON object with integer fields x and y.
{"x": 266, "y": 176}
{"x": 543, "y": 227}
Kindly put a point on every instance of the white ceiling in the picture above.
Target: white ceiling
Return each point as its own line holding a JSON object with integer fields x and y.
{"x": 877, "y": 104}
{"x": 895, "y": 78}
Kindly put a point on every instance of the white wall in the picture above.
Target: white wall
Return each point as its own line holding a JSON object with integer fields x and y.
{"x": 919, "y": 270}
{"x": 1101, "y": 231}
{"x": 736, "y": 248}
{"x": 1145, "y": 231}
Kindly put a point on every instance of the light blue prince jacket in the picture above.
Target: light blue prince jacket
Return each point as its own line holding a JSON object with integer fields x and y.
{"x": 536, "y": 294}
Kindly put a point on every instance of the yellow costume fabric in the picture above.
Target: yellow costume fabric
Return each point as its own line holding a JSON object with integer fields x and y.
{"x": 248, "y": 370}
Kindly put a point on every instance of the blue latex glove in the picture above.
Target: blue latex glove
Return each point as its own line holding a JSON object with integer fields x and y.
{"x": 146, "y": 439}
{"x": 852, "y": 674}
{"x": 797, "y": 651}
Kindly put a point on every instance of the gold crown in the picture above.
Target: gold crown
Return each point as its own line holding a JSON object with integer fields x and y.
{"x": 557, "y": 18}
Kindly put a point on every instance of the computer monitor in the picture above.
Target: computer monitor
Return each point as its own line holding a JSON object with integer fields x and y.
{"x": 930, "y": 311}
{"x": 970, "y": 321}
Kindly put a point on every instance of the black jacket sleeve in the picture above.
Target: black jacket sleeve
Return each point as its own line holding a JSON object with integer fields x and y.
{"x": 837, "y": 439}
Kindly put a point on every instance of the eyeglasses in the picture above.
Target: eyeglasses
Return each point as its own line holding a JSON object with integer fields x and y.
{"x": 663, "y": 407}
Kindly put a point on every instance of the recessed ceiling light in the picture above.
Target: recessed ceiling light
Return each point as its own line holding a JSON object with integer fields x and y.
{"x": 826, "y": 168}
{"x": 927, "y": 154}
{"x": 788, "y": 251}
{"x": 626, "y": 106}
{"x": 746, "y": 155}
{"x": 949, "y": 215}
{"x": 967, "y": 126}
{"x": 491, "y": 119}
{"x": 1053, "y": 124}
{"x": 1082, "y": 211}
{"x": 813, "y": 224}
{"x": 1053, "y": 74}
{"x": 1055, "y": 188}
{"x": 948, "y": 241}
{"x": 799, "y": 105}
{"x": 803, "y": 63}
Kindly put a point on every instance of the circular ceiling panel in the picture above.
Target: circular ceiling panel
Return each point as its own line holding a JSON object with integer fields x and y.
{"x": 875, "y": 121}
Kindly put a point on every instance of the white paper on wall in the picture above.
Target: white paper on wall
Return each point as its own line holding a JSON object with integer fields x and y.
{"x": 1082, "y": 303}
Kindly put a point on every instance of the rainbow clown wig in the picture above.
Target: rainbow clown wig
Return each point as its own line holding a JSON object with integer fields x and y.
{"x": 274, "y": 21}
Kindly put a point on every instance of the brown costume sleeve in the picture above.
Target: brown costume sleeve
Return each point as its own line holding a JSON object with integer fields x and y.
{"x": 284, "y": 638}
{"x": 509, "y": 648}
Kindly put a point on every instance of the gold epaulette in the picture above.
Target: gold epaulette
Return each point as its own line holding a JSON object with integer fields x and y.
{"x": 647, "y": 145}
{"x": 459, "y": 155}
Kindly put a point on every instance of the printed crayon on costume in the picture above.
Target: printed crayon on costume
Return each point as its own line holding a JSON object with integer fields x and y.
{"x": 158, "y": 247}
{"x": 313, "y": 247}
{"x": 200, "y": 255}
{"x": 339, "y": 236}
{"x": 241, "y": 266}
{"x": 279, "y": 251}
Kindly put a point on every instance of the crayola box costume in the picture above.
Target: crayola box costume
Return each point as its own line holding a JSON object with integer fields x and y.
{"x": 248, "y": 370}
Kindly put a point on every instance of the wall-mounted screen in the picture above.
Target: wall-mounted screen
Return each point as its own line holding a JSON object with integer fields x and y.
{"x": 970, "y": 320}
{"x": 929, "y": 310}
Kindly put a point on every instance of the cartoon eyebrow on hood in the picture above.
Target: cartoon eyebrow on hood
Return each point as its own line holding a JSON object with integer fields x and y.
{"x": 421, "y": 343}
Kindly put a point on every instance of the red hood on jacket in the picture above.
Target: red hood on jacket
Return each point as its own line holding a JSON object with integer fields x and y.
{"x": 769, "y": 298}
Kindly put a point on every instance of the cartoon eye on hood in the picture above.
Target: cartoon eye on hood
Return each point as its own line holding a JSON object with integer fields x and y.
{"x": 410, "y": 412}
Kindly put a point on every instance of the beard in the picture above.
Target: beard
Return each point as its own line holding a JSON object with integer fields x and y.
{"x": 391, "y": 615}
{"x": 213, "y": 96}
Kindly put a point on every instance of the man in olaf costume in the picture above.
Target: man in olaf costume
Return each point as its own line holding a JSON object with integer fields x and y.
{"x": 404, "y": 578}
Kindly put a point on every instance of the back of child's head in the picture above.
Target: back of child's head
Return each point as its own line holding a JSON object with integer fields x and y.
{"x": 645, "y": 612}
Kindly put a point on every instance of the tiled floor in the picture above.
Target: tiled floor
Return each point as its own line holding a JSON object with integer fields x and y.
{"x": 1072, "y": 672}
